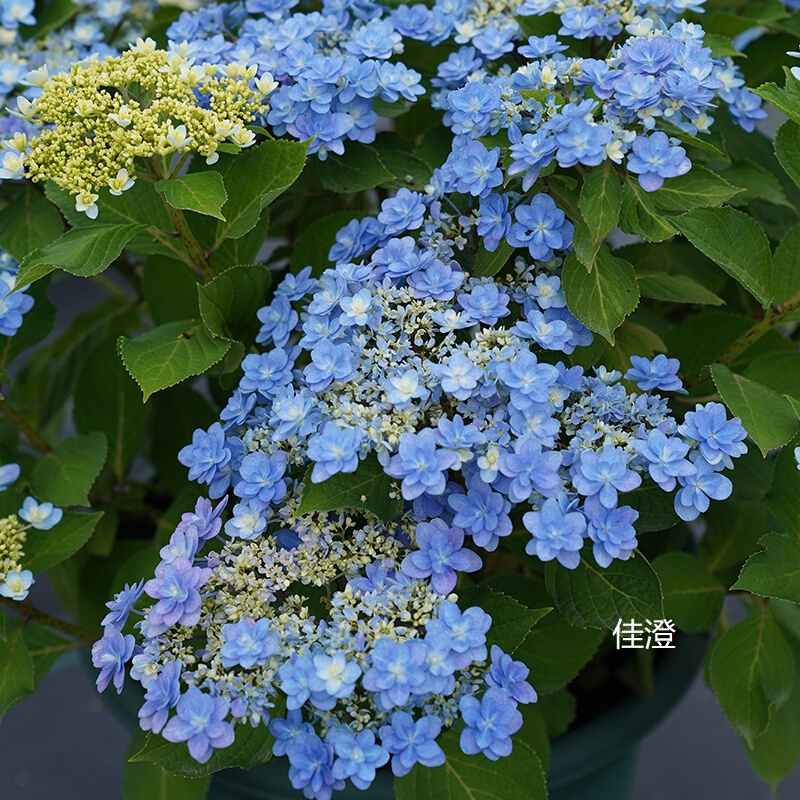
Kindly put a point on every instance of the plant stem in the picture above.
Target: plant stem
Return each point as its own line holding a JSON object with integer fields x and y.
{"x": 772, "y": 318}
{"x": 193, "y": 247}
{"x": 31, "y": 434}
{"x": 29, "y": 613}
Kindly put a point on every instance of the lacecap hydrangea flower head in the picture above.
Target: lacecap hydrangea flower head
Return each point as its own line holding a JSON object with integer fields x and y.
{"x": 107, "y": 120}
{"x": 399, "y": 360}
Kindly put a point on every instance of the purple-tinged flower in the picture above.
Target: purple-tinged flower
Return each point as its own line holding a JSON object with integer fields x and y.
{"x": 200, "y": 722}
{"x": 466, "y": 632}
{"x": 163, "y": 693}
{"x": 440, "y": 555}
{"x": 109, "y": 655}
{"x": 310, "y": 766}
{"x": 420, "y": 464}
{"x": 175, "y": 587}
{"x": 396, "y": 670}
{"x": 482, "y": 512}
{"x": 653, "y": 159}
{"x": 120, "y": 607}
{"x": 531, "y": 469}
{"x": 510, "y": 676}
{"x": 286, "y": 730}
{"x": 485, "y": 304}
{"x": 527, "y": 380}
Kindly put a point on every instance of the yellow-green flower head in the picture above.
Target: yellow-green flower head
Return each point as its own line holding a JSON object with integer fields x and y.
{"x": 147, "y": 105}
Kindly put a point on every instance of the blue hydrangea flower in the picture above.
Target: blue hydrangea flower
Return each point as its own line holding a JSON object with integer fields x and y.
{"x": 458, "y": 375}
{"x": 330, "y": 362}
{"x": 206, "y": 455}
{"x": 310, "y": 766}
{"x": 402, "y": 389}
{"x": 420, "y": 464}
{"x": 403, "y": 212}
{"x": 653, "y": 159}
{"x": 200, "y": 722}
{"x": 333, "y": 450}
{"x": 337, "y": 673}
{"x": 706, "y": 484}
{"x": 42, "y": 516}
{"x": 266, "y": 372}
{"x": 412, "y": 742}
{"x": 604, "y": 474}
{"x": 397, "y": 669}
{"x": 490, "y": 722}
{"x": 247, "y": 642}
{"x": 8, "y": 475}
{"x": 541, "y": 227}
{"x": 246, "y": 522}
{"x": 510, "y": 676}
{"x": 278, "y": 320}
{"x": 441, "y": 553}
{"x": 286, "y": 729}
{"x": 485, "y": 304}
{"x": 262, "y": 480}
{"x": 483, "y": 513}
{"x": 109, "y": 655}
{"x": 665, "y": 457}
{"x": 611, "y": 530}
{"x": 465, "y": 631}
{"x": 16, "y": 584}
{"x": 162, "y": 695}
{"x": 175, "y": 587}
{"x": 719, "y": 438}
{"x": 358, "y": 756}
{"x": 657, "y": 373}
{"x": 120, "y": 607}
{"x": 530, "y": 469}
{"x": 557, "y": 532}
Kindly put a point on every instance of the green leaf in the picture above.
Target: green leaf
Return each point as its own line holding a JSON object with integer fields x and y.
{"x": 228, "y": 304}
{"x": 555, "y": 652}
{"x": 767, "y": 416}
{"x": 202, "y": 192}
{"x": 756, "y": 183}
{"x": 779, "y": 371}
{"x": 602, "y": 298}
{"x": 141, "y": 204}
{"x": 39, "y": 322}
{"x": 712, "y": 230}
{"x": 170, "y": 289}
{"x": 65, "y": 475}
{"x": 692, "y": 596}
{"x": 50, "y": 15}
{"x": 698, "y": 188}
{"x": 732, "y": 533}
{"x": 16, "y": 670}
{"x": 787, "y": 99}
{"x": 596, "y": 597}
{"x": 44, "y": 647}
{"x": 751, "y": 670}
{"x": 786, "y": 266}
{"x": 639, "y": 216}
{"x": 629, "y": 339}
{"x": 720, "y": 45}
{"x": 703, "y": 143}
{"x": 783, "y": 498}
{"x": 584, "y": 246}
{"x": 145, "y": 781}
{"x": 27, "y": 222}
{"x": 656, "y": 508}
{"x": 45, "y": 549}
{"x": 787, "y": 149}
{"x": 601, "y": 200}
{"x": 676, "y": 289}
{"x": 80, "y": 251}
{"x": 558, "y": 709}
{"x": 519, "y": 775}
{"x": 359, "y": 169}
{"x": 490, "y": 263}
{"x": 775, "y": 571}
{"x": 107, "y": 400}
{"x": 251, "y": 747}
{"x": 511, "y": 620}
{"x": 259, "y": 175}
{"x": 369, "y": 487}
{"x": 170, "y": 353}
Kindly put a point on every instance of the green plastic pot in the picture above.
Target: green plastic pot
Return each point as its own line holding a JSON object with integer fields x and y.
{"x": 595, "y": 762}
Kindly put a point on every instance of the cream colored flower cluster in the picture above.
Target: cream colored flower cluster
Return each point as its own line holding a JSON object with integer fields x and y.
{"x": 154, "y": 105}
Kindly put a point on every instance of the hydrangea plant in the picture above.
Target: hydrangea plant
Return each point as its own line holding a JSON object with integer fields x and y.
{"x": 423, "y": 346}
